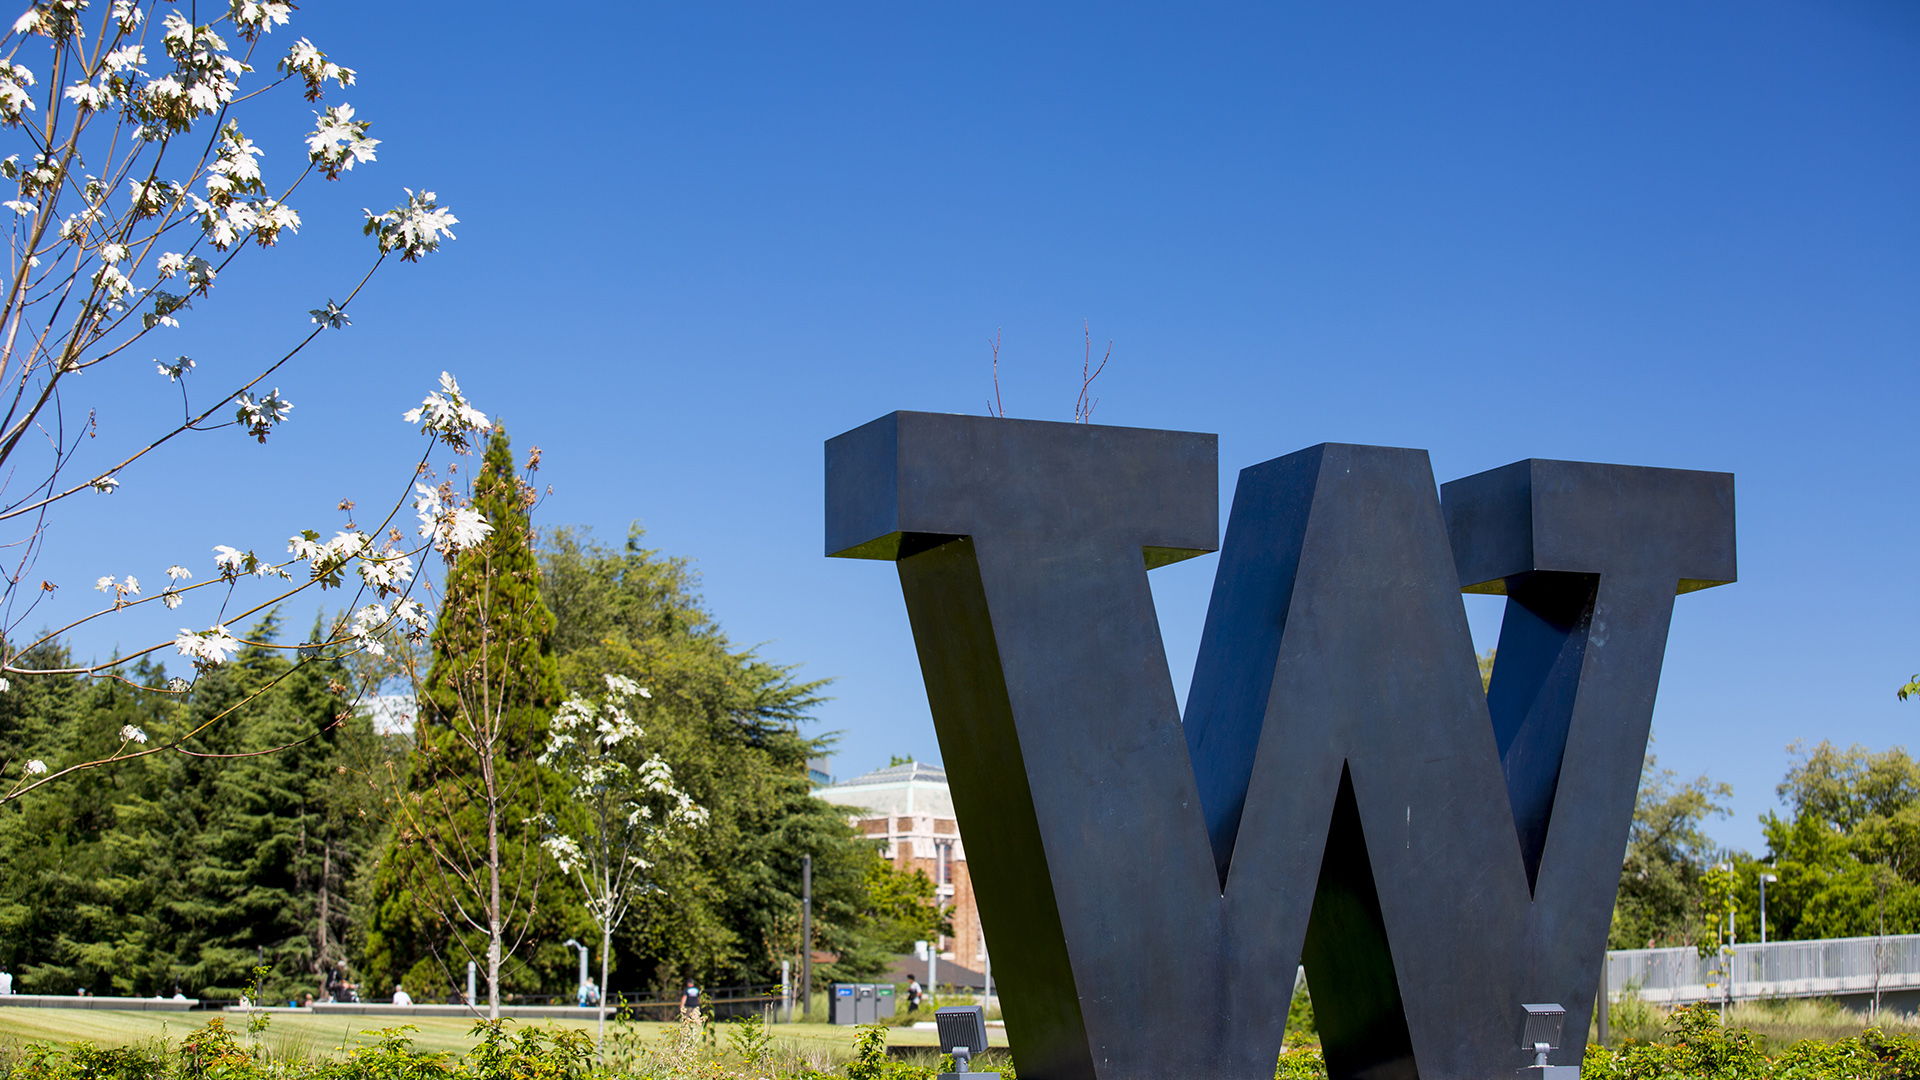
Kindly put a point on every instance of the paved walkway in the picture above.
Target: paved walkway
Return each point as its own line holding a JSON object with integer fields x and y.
{"x": 117, "y": 1004}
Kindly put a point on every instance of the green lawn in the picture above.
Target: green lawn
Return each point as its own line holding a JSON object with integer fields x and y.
{"x": 307, "y": 1034}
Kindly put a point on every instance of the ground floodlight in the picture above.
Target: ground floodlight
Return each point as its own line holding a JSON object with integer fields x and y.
{"x": 963, "y": 1033}
{"x": 1543, "y": 1027}
{"x": 1542, "y": 1034}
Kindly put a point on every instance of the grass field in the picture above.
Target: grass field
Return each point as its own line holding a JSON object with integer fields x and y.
{"x": 307, "y": 1035}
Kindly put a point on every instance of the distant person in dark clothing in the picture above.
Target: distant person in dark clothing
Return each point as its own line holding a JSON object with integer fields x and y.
{"x": 914, "y": 994}
{"x": 690, "y": 998}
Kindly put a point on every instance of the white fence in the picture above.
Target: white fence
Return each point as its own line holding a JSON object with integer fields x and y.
{"x": 1777, "y": 969}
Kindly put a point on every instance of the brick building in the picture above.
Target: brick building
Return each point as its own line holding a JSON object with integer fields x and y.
{"x": 908, "y": 811}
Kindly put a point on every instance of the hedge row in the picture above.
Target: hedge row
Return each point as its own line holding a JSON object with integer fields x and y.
{"x": 1696, "y": 1047}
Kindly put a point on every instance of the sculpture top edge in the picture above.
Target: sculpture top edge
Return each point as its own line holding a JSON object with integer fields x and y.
{"x": 910, "y": 480}
{"x": 1542, "y": 514}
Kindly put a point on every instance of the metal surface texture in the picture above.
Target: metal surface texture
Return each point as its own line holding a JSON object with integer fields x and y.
{"x": 1340, "y": 793}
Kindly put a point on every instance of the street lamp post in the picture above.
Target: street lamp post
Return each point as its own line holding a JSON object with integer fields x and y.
{"x": 1764, "y": 878}
{"x": 806, "y": 936}
{"x": 1726, "y": 952}
{"x": 582, "y": 989}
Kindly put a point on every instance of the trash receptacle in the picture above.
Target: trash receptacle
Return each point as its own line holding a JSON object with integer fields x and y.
{"x": 864, "y": 1003}
{"x": 841, "y": 1007}
{"x": 883, "y": 999}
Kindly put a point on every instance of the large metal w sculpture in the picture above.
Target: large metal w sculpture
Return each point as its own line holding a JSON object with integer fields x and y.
{"x": 1341, "y": 791}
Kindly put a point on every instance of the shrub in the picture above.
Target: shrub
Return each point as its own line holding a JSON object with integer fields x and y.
{"x": 391, "y": 1057}
{"x": 1300, "y": 1063}
{"x": 751, "y": 1040}
{"x": 549, "y": 1053}
{"x": 215, "y": 1053}
{"x": 84, "y": 1061}
{"x": 1702, "y": 1048}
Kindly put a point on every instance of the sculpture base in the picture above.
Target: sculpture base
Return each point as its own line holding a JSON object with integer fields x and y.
{"x": 1548, "y": 1072}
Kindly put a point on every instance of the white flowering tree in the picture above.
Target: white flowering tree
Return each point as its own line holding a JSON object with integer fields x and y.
{"x": 135, "y": 188}
{"x": 629, "y": 815}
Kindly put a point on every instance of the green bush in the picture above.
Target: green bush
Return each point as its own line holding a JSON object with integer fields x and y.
{"x": 216, "y": 1053}
{"x": 1694, "y": 1045}
{"x": 751, "y": 1040}
{"x": 1699, "y": 1047}
{"x": 391, "y": 1057}
{"x": 871, "y": 1062}
{"x": 1300, "y": 1063}
{"x": 534, "y": 1053}
{"x": 84, "y": 1061}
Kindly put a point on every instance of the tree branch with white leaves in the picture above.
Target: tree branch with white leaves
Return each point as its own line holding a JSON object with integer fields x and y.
{"x": 136, "y": 189}
{"x": 384, "y": 601}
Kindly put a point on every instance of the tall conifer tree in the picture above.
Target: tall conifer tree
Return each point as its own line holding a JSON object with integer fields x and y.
{"x": 185, "y": 869}
{"x": 256, "y": 824}
{"x": 464, "y": 879}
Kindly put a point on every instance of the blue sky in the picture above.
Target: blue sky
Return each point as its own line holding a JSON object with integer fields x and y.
{"x": 697, "y": 241}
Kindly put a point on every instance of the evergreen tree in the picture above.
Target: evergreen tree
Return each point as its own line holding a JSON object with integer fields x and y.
{"x": 74, "y": 886}
{"x": 270, "y": 819}
{"x": 463, "y": 879}
{"x": 188, "y": 868}
{"x": 728, "y": 722}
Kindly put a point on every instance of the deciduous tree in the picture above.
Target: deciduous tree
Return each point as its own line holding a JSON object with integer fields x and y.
{"x": 135, "y": 189}
{"x": 1668, "y": 851}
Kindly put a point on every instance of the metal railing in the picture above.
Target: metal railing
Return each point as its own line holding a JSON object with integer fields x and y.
{"x": 1777, "y": 969}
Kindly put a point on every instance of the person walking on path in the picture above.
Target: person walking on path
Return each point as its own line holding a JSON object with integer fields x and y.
{"x": 914, "y": 994}
{"x": 690, "y": 999}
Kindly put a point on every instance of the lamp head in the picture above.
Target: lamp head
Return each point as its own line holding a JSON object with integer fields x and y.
{"x": 1769, "y": 878}
{"x": 1543, "y": 1026}
{"x": 962, "y": 1028}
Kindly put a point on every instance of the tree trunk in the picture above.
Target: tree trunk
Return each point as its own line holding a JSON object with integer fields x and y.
{"x": 493, "y": 901}
{"x": 323, "y": 940}
{"x": 606, "y": 943}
